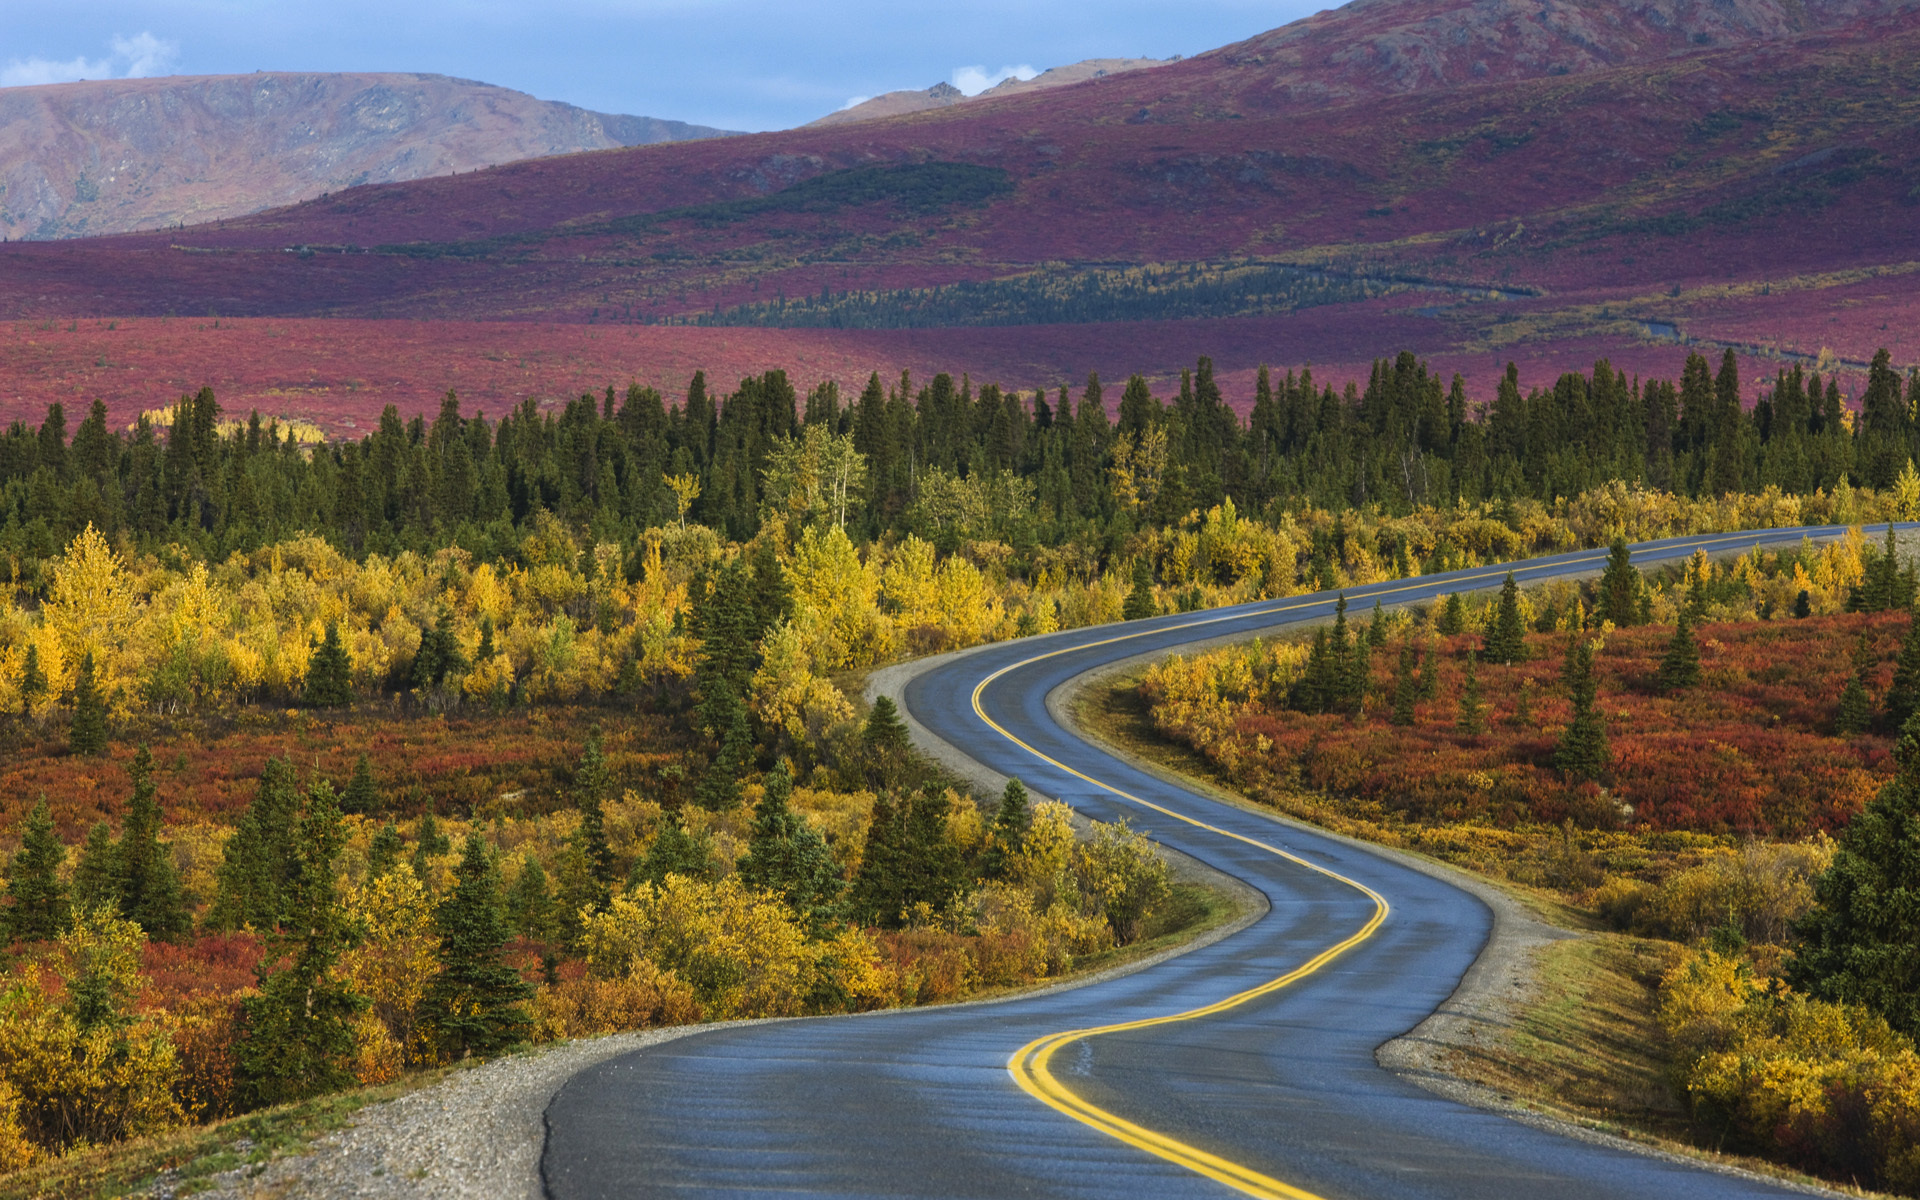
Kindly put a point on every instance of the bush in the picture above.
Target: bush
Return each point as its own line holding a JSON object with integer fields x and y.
{"x": 1123, "y": 877}
{"x": 1760, "y": 889}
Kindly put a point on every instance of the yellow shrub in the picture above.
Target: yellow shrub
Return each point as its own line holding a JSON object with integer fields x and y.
{"x": 740, "y": 950}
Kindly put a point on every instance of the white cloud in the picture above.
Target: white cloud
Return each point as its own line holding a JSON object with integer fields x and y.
{"x": 133, "y": 57}
{"x": 974, "y": 80}
{"x": 854, "y": 102}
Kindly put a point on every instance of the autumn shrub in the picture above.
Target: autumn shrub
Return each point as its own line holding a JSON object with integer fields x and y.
{"x": 585, "y": 1005}
{"x": 204, "y": 1028}
{"x": 1123, "y": 878}
{"x": 934, "y": 965}
{"x": 1760, "y": 889}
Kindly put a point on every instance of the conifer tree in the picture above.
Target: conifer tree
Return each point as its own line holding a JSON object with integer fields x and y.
{"x": 884, "y": 744}
{"x": 385, "y": 851}
{"x": 1680, "y": 667}
{"x": 719, "y": 788}
{"x": 89, "y": 733}
{"x": 1428, "y": 661}
{"x": 149, "y": 886}
{"x": 878, "y": 895}
{"x": 1453, "y": 616}
{"x": 1860, "y": 943}
{"x": 592, "y": 784}
{"x": 297, "y": 1036}
{"x": 1506, "y": 640}
{"x": 930, "y": 862}
{"x": 329, "y": 673}
{"x": 1377, "y": 626}
{"x": 1582, "y": 753}
{"x": 37, "y": 908}
{"x": 1140, "y": 602}
{"x": 429, "y": 843}
{"x": 1802, "y": 605}
{"x": 1405, "y": 687}
{"x": 33, "y": 680}
{"x": 787, "y": 855}
{"x": 261, "y": 860}
{"x": 96, "y": 876}
{"x": 675, "y": 852}
{"x": 1620, "y": 585}
{"x": 1903, "y": 695}
{"x": 1010, "y": 824}
{"x": 1312, "y": 692}
{"x": 474, "y": 1004}
{"x": 1855, "y": 714}
{"x": 1523, "y": 705}
{"x": 360, "y": 796}
{"x": 531, "y": 911}
{"x": 1473, "y": 711}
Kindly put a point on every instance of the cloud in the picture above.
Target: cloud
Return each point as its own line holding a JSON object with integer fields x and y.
{"x": 133, "y": 57}
{"x": 974, "y": 80}
{"x": 854, "y": 102}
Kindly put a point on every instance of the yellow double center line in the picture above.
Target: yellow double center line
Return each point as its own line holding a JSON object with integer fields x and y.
{"x": 1030, "y": 1065}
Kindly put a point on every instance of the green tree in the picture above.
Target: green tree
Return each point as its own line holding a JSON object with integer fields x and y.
{"x": 329, "y": 673}
{"x": 384, "y": 851}
{"x": 1453, "y": 616}
{"x": 1855, "y": 713}
{"x": 1140, "y": 602}
{"x": 37, "y": 908}
{"x": 675, "y": 852}
{"x": 1406, "y": 689}
{"x": 1582, "y": 752}
{"x": 1506, "y": 640}
{"x": 1010, "y": 824}
{"x": 96, "y": 876}
{"x": 1473, "y": 711}
{"x": 475, "y": 1002}
{"x": 149, "y": 885}
{"x": 297, "y": 1037}
{"x": 592, "y": 785}
{"x": 1860, "y": 943}
{"x": 884, "y": 744}
{"x": 1680, "y": 667}
{"x": 878, "y": 895}
{"x": 787, "y": 855}
{"x": 360, "y": 797}
{"x": 89, "y": 732}
{"x": 1620, "y": 586}
{"x": 428, "y": 844}
{"x": 1903, "y": 695}
{"x": 33, "y": 680}
{"x": 531, "y": 911}
{"x": 261, "y": 860}
{"x": 719, "y": 789}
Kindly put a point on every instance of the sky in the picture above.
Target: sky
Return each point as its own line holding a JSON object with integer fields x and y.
{"x": 735, "y": 64}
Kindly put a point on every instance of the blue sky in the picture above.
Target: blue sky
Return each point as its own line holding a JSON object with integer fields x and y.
{"x": 737, "y": 64}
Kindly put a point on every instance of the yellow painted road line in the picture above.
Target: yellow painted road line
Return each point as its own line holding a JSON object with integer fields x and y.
{"x": 1030, "y": 1065}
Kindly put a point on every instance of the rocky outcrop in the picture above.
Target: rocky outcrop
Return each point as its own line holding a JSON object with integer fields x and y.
{"x": 110, "y": 156}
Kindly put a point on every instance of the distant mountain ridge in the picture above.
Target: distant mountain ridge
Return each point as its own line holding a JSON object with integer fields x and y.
{"x": 945, "y": 95}
{"x": 111, "y": 156}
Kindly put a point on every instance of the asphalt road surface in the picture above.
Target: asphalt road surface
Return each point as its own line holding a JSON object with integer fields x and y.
{"x": 1278, "y": 1094}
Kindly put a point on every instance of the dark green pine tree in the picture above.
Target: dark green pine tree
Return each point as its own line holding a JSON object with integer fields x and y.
{"x": 261, "y": 860}
{"x": 1506, "y": 640}
{"x": 675, "y": 852}
{"x": 531, "y": 911}
{"x": 723, "y": 619}
{"x": 89, "y": 733}
{"x": 329, "y": 673}
{"x": 1855, "y": 713}
{"x": 1582, "y": 752}
{"x": 1406, "y": 689}
{"x": 1010, "y": 825}
{"x": 33, "y": 680}
{"x": 787, "y": 855}
{"x": 149, "y": 885}
{"x": 1377, "y": 626}
{"x": 475, "y": 1004}
{"x": 1428, "y": 660}
{"x": 883, "y": 744}
{"x": 96, "y": 876}
{"x": 385, "y": 851}
{"x": 1903, "y": 695}
{"x": 878, "y": 895}
{"x": 1140, "y": 602}
{"x": 297, "y": 1037}
{"x": 1345, "y": 667}
{"x": 1453, "y": 616}
{"x": 719, "y": 789}
{"x": 929, "y": 863}
{"x": 592, "y": 786}
{"x": 1313, "y": 691}
{"x": 428, "y": 844}
{"x": 1860, "y": 943}
{"x": 1618, "y": 595}
{"x": 1473, "y": 710}
{"x": 360, "y": 796}
{"x": 37, "y": 900}
{"x": 1680, "y": 666}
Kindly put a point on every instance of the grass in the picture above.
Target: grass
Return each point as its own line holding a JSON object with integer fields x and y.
{"x": 188, "y": 1158}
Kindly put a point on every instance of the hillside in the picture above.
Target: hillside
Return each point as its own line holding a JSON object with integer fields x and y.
{"x": 945, "y": 95}
{"x": 108, "y": 156}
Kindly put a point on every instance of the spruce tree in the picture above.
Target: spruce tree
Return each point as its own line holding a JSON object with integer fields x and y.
{"x": 719, "y": 789}
{"x": 89, "y": 732}
{"x": 1860, "y": 943}
{"x": 261, "y": 860}
{"x": 531, "y": 911}
{"x": 1473, "y": 711}
{"x": 428, "y": 844}
{"x": 675, "y": 852}
{"x": 329, "y": 673}
{"x": 1140, "y": 602}
{"x": 149, "y": 885}
{"x": 1428, "y": 662}
{"x": 1903, "y": 695}
{"x": 1855, "y": 713}
{"x": 1010, "y": 825}
{"x": 878, "y": 895}
{"x": 360, "y": 796}
{"x": 297, "y": 1035}
{"x": 1582, "y": 753}
{"x": 787, "y": 855}
{"x": 929, "y": 863}
{"x": 1680, "y": 667}
{"x": 385, "y": 851}
{"x": 33, "y": 680}
{"x": 1377, "y": 626}
{"x": 96, "y": 876}
{"x": 37, "y": 908}
{"x": 883, "y": 744}
{"x": 1620, "y": 584}
{"x": 474, "y": 1004}
{"x": 1405, "y": 688}
{"x": 1312, "y": 692}
{"x": 1453, "y": 616}
{"x": 1506, "y": 640}
{"x": 592, "y": 785}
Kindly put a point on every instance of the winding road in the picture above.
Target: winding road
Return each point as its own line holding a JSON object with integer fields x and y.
{"x": 1246, "y": 1065}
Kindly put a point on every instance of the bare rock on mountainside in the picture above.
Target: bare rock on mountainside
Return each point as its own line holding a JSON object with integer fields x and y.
{"x": 945, "y": 95}
{"x": 109, "y": 156}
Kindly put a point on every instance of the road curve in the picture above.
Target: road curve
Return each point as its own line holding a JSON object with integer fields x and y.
{"x": 1271, "y": 1089}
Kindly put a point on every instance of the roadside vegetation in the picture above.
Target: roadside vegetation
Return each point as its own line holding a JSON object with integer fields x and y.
{"x": 1717, "y": 761}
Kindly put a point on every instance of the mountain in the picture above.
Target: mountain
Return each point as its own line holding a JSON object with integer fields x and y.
{"x": 109, "y": 156}
{"x": 945, "y": 95}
